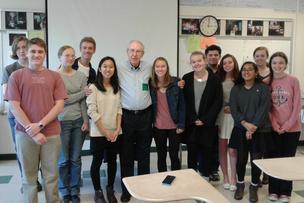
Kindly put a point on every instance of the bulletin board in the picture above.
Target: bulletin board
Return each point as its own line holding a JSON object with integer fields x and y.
{"x": 242, "y": 49}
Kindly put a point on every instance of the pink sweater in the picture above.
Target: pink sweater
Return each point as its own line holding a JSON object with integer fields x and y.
{"x": 286, "y": 104}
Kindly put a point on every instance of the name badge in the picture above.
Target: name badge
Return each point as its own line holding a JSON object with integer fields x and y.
{"x": 145, "y": 87}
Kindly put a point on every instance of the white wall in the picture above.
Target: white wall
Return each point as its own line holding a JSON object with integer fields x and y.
{"x": 113, "y": 23}
{"x": 254, "y": 13}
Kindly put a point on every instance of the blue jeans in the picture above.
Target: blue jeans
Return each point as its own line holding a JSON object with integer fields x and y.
{"x": 12, "y": 123}
{"x": 69, "y": 163}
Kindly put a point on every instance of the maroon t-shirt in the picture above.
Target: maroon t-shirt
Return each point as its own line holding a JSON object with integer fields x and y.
{"x": 37, "y": 92}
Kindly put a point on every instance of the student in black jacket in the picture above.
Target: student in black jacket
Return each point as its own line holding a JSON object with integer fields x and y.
{"x": 203, "y": 98}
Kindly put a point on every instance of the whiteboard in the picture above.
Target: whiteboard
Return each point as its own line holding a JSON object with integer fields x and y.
{"x": 242, "y": 49}
{"x": 113, "y": 23}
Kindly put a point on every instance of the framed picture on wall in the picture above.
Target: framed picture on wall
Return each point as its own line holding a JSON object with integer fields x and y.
{"x": 13, "y": 36}
{"x": 218, "y": 32}
{"x": 255, "y": 27}
{"x": 190, "y": 26}
{"x": 276, "y": 28}
{"x": 39, "y": 21}
{"x": 15, "y": 20}
{"x": 233, "y": 27}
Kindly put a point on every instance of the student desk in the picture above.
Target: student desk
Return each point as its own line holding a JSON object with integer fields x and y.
{"x": 187, "y": 185}
{"x": 290, "y": 168}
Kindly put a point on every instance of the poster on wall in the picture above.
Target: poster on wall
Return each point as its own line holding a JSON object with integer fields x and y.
{"x": 255, "y": 28}
{"x": 39, "y": 21}
{"x": 13, "y": 36}
{"x": 15, "y": 20}
{"x": 276, "y": 28}
{"x": 233, "y": 27}
{"x": 190, "y": 26}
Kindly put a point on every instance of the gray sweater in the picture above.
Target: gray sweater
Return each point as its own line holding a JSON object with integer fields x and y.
{"x": 251, "y": 105}
{"x": 75, "y": 105}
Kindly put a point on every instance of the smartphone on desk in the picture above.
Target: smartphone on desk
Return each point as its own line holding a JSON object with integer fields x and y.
{"x": 168, "y": 180}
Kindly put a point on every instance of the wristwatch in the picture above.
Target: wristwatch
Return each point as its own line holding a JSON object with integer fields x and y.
{"x": 41, "y": 126}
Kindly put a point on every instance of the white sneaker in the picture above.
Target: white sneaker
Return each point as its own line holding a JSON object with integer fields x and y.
{"x": 284, "y": 198}
{"x": 273, "y": 197}
{"x": 226, "y": 186}
{"x": 232, "y": 188}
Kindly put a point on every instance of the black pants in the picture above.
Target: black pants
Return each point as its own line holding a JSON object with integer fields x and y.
{"x": 200, "y": 144}
{"x": 286, "y": 146}
{"x": 215, "y": 154}
{"x": 161, "y": 137}
{"x": 246, "y": 146}
{"x": 137, "y": 137}
{"x": 98, "y": 146}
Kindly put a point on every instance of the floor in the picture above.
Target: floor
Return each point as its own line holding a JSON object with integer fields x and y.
{"x": 10, "y": 183}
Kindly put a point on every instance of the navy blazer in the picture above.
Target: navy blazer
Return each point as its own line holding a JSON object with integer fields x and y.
{"x": 176, "y": 104}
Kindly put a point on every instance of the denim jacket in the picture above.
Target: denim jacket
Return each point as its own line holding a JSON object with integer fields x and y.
{"x": 176, "y": 104}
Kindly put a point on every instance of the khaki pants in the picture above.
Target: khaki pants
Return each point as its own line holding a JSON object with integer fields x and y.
{"x": 30, "y": 155}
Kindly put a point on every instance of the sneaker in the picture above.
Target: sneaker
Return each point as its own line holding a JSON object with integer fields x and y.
{"x": 125, "y": 197}
{"x": 232, "y": 188}
{"x": 239, "y": 192}
{"x": 253, "y": 193}
{"x": 273, "y": 197}
{"x": 110, "y": 195}
{"x": 39, "y": 186}
{"x": 99, "y": 198}
{"x": 226, "y": 186}
{"x": 284, "y": 198}
{"x": 214, "y": 176}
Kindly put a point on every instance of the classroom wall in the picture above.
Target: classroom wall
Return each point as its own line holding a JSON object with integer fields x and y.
{"x": 254, "y": 13}
{"x": 6, "y": 146}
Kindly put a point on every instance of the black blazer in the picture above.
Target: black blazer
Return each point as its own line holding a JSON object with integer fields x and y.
{"x": 210, "y": 104}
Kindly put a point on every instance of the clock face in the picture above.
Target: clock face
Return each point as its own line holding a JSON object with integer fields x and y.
{"x": 209, "y": 25}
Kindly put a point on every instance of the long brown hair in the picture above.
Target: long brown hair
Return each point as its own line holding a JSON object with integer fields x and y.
{"x": 154, "y": 78}
{"x": 222, "y": 73}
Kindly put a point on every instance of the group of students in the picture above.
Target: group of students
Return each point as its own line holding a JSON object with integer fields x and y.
{"x": 214, "y": 109}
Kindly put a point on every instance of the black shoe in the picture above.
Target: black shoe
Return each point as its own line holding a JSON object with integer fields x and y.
{"x": 125, "y": 197}
{"x": 99, "y": 198}
{"x": 265, "y": 179}
{"x": 39, "y": 186}
{"x": 110, "y": 195}
{"x": 253, "y": 193}
{"x": 75, "y": 199}
{"x": 214, "y": 176}
{"x": 239, "y": 193}
{"x": 66, "y": 199}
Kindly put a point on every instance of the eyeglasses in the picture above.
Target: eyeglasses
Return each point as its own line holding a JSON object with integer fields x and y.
{"x": 133, "y": 51}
